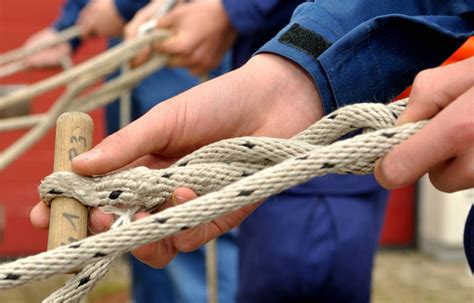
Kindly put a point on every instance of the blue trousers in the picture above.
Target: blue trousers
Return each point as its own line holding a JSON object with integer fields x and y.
{"x": 184, "y": 279}
{"x": 312, "y": 243}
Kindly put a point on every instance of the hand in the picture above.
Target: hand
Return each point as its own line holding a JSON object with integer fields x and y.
{"x": 445, "y": 147}
{"x": 50, "y": 57}
{"x": 132, "y": 29}
{"x": 101, "y": 18}
{"x": 269, "y": 96}
{"x": 202, "y": 34}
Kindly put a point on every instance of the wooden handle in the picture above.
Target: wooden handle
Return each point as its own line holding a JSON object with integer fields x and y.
{"x": 68, "y": 219}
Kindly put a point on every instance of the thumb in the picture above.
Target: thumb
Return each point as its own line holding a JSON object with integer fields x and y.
{"x": 147, "y": 135}
{"x": 168, "y": 20}
{"x": 434, "y": 89}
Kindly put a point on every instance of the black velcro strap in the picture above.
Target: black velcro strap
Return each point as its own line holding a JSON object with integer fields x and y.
{"x": 303, "y": 39}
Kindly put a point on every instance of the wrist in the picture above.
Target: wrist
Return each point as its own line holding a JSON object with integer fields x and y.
{"x": 286, "y": 90}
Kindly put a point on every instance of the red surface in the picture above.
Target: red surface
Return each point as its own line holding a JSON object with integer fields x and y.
{"x": 18, "y": 183}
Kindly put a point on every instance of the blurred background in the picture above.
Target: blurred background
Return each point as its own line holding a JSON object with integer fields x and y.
{"x": 421, "y": 258}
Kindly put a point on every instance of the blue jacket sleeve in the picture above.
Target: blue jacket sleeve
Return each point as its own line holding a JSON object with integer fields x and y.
{"x": 69, "y": 14}
{"x": 364, "y": 51}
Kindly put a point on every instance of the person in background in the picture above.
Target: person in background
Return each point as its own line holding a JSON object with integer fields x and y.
{"x": 348, "y": 208}
{"x": 183, "y": 280}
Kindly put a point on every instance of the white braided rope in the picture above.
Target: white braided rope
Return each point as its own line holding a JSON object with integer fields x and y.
{"x": 230, "y": 174}
{"x": 85, "y": 75}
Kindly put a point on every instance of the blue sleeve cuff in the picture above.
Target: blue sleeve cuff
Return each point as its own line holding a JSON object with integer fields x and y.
{"x": 309, "y": 64}
{"x": 374, "y": 61}
{"x": 127, "y": 9}
{"x": 59, "y": 26}
{"x": 70, "y": 13}
{"x": 324, "y": 27}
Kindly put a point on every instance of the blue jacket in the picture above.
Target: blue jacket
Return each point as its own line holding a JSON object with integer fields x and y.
{"x": 376, "y": 53}
{"x": 256, "y": 22}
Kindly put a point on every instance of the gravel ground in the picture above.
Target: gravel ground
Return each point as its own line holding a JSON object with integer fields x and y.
{"x": 399, "y": 276}
{"x": 407, "y": 276}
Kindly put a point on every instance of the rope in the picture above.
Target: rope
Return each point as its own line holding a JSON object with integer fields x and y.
{"x": 88, "y": 76}
{"x": 20, "y": 53}
{"x": 228, "y": 175}
{"x": 107, "y": 93}
{"x": 112, "y": 59}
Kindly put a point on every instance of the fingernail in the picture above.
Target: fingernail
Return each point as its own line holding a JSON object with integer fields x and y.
{"x": 89, "y": 155}
{"x": 177, "y": 199}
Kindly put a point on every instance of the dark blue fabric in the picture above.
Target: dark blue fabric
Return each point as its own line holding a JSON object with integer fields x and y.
{"x": 256, "y": 22}
{"x": 69, "y": 14}
{"x": 315, "y": 242}
{"x": 183, "y": 280}
{"x": 310, "y": 247}
{"x": 377, "y": 49}
{"x": 469, "y": 239}
{"x": 268, "y": 243}
{"x": 127, "y": 8}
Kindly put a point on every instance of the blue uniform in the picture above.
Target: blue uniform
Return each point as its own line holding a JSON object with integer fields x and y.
{"x": 366, "y": 51}
{"x": 288, "y": 246}
{"x": 349, "y": 48}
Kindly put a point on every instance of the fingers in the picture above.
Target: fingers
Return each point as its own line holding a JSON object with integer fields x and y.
{"x": 443, "y": 148}
{"x": 131, "y": 29}
{"x": 455, "y": 174}
{"x": 141, "y": 57}
{"x": 85, "y": 21}
{"x": 50, "y": 57}
{"x": 175, "y": 45}
{"x": 101, "y": 18}
{"x": 159, "y": 254}
{"x": 194, "y": 238}
{"x": 432, "y": 90}
{"x": 99, "y": 221}
{"x": 39, "y": 216}
{"x": 156, "y": 254}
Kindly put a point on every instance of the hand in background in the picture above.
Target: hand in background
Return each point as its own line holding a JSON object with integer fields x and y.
{"x": 201, "y": 35}
{"x": 445, "y": 147}
{"x": 269, "y": 96}
{"x": 50, "y": 57}
{"x": 101, "y": 18}
{"x": 146, "y": 14}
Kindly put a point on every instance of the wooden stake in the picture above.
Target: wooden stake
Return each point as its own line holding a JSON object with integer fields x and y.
{"x": 211, "y": 272}
{"x": 68, "y": 219}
